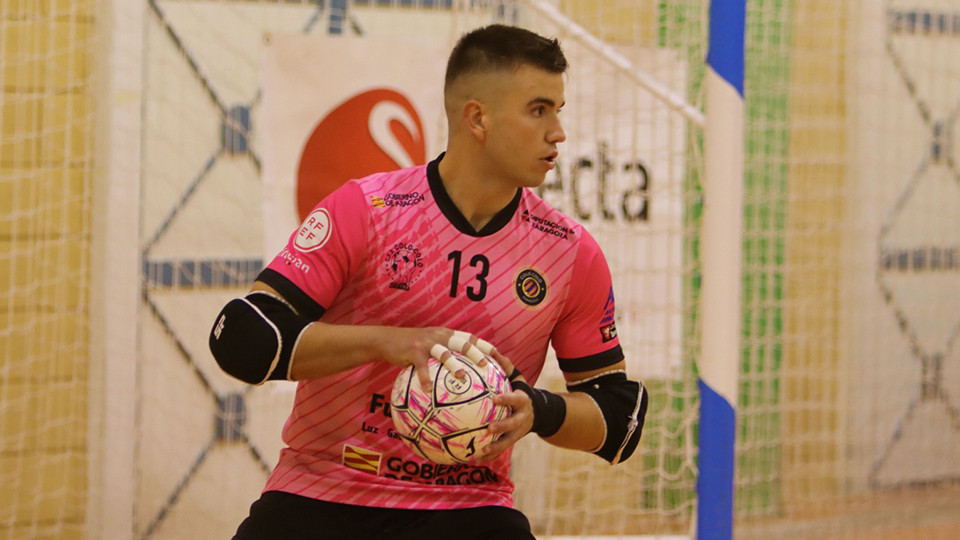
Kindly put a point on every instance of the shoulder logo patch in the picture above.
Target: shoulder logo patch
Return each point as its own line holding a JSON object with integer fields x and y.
{"x": 314, "y": 232}
{"x": 608, "y": 327}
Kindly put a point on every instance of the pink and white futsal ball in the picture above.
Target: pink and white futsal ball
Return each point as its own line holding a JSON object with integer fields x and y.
{"x": 449, "y": 425}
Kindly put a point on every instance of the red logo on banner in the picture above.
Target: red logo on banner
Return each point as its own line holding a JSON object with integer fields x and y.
{"x": 375, "y": 131}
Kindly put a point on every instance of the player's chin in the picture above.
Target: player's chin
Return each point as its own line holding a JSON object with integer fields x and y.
{"x": 534, "y": 177}
{"x": 531, "y": 184}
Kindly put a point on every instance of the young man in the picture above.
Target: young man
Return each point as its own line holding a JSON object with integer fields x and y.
{"x": 456, "y": 253}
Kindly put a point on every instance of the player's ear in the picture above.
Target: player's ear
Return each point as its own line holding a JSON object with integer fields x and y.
{"x": 474, "y": 117}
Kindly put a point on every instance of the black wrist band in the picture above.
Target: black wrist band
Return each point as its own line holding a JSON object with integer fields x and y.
{"x": 515, "y": 374}
{"x": 549, "y": 409}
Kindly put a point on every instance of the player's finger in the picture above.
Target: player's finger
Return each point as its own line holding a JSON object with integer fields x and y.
{"x": 492, "y": 450}
{"x": 520, "y": 417}
{"x": 504, "y": 362}
{"x": 445, "y": 357}
{"x": 464, "y": 343}
{"x": 421, "y": 369}
{"x": 484, "y": 346}
{"x": 510, "y": 429}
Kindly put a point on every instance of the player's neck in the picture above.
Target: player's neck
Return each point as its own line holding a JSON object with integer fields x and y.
{"x": 477, "y": 197}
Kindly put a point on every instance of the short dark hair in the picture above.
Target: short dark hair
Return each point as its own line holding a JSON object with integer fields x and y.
{"x": 499, "y": 47}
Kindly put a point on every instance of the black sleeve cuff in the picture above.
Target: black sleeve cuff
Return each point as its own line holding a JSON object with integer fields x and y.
{"x": 589, "y": 363}
{"x": 301, "y": 301}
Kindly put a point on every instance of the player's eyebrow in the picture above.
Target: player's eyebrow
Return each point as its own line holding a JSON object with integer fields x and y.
{"x": 544, "y": 101}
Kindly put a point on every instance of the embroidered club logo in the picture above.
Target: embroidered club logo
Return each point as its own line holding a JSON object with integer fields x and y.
{"x": 403, "y": 263}
{"x": 314, "y": 231}
{"x": 531, "y": 287}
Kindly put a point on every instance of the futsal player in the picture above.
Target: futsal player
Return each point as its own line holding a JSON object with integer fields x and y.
{"x": 459, "y": 252}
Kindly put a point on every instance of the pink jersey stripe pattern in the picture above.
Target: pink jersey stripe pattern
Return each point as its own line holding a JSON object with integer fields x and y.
{"x": 393, "y": 257}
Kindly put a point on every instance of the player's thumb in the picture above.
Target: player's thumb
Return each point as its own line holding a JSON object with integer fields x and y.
{"x": 504, "y": 362}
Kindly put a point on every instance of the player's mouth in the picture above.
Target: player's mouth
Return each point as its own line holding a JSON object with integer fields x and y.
{"x": 550, "y": 160}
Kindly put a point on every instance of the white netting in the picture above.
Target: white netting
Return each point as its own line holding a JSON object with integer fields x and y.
{"x": 623, "y": 172}
{"x": 848, "y": 411}
{"x": 46, "y": 167}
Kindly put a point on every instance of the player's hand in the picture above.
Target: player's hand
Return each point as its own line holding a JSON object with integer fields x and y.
{"x": 411, "y": 347}
{"x": 467, "y": 344}
{"x": 515, "y": 426}
{"x": 415, "y": 346}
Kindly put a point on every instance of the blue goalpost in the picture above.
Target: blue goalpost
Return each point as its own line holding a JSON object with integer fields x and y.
{"x": 721, "y": 259}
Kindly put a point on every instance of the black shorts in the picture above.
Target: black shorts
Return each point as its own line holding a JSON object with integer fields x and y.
{"x": 284, "y": 516}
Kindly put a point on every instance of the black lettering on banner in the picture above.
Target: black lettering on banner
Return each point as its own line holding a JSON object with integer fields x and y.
{"x": 581, "y": 164}
{"x": 599, "y": 170}
{"x": 602, "y": 172}
{"x": 641, "y": 192}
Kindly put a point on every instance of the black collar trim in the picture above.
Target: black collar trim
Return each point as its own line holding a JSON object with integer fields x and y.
{"x": 453, "y": 214}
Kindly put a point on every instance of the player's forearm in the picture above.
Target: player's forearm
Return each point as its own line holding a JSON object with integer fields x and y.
{"x": 326, "y": 349}
{"x": 583, "y": 427}
{"x": 603, "y": 412}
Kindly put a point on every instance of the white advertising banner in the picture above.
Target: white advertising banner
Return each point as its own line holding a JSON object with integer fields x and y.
{"x": 337, "y": 108}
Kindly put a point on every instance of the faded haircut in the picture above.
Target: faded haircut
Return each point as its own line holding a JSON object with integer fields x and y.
{"x": 500, "y": 47}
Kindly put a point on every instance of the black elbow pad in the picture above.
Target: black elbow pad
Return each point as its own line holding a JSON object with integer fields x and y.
{"x": 623, "y": 403}
{"x": 253, "y": 338}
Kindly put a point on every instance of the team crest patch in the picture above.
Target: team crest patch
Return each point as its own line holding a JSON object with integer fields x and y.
{"x": 361, "y": 459}
{"x": 403, "y": 264}
{"x": 531, "y": 287}
{"x": 314, "y": 231}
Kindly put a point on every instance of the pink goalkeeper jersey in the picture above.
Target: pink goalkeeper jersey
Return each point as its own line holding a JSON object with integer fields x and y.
{"x": 392, "y": 249}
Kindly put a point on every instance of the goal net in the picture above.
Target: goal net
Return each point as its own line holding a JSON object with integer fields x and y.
{"x": 849, "y": 375}
{"x": 210, "y": 139}
{"x": 46, "y": 175}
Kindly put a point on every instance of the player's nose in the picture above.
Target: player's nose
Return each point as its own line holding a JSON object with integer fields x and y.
{"x": 556, "y": 134}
